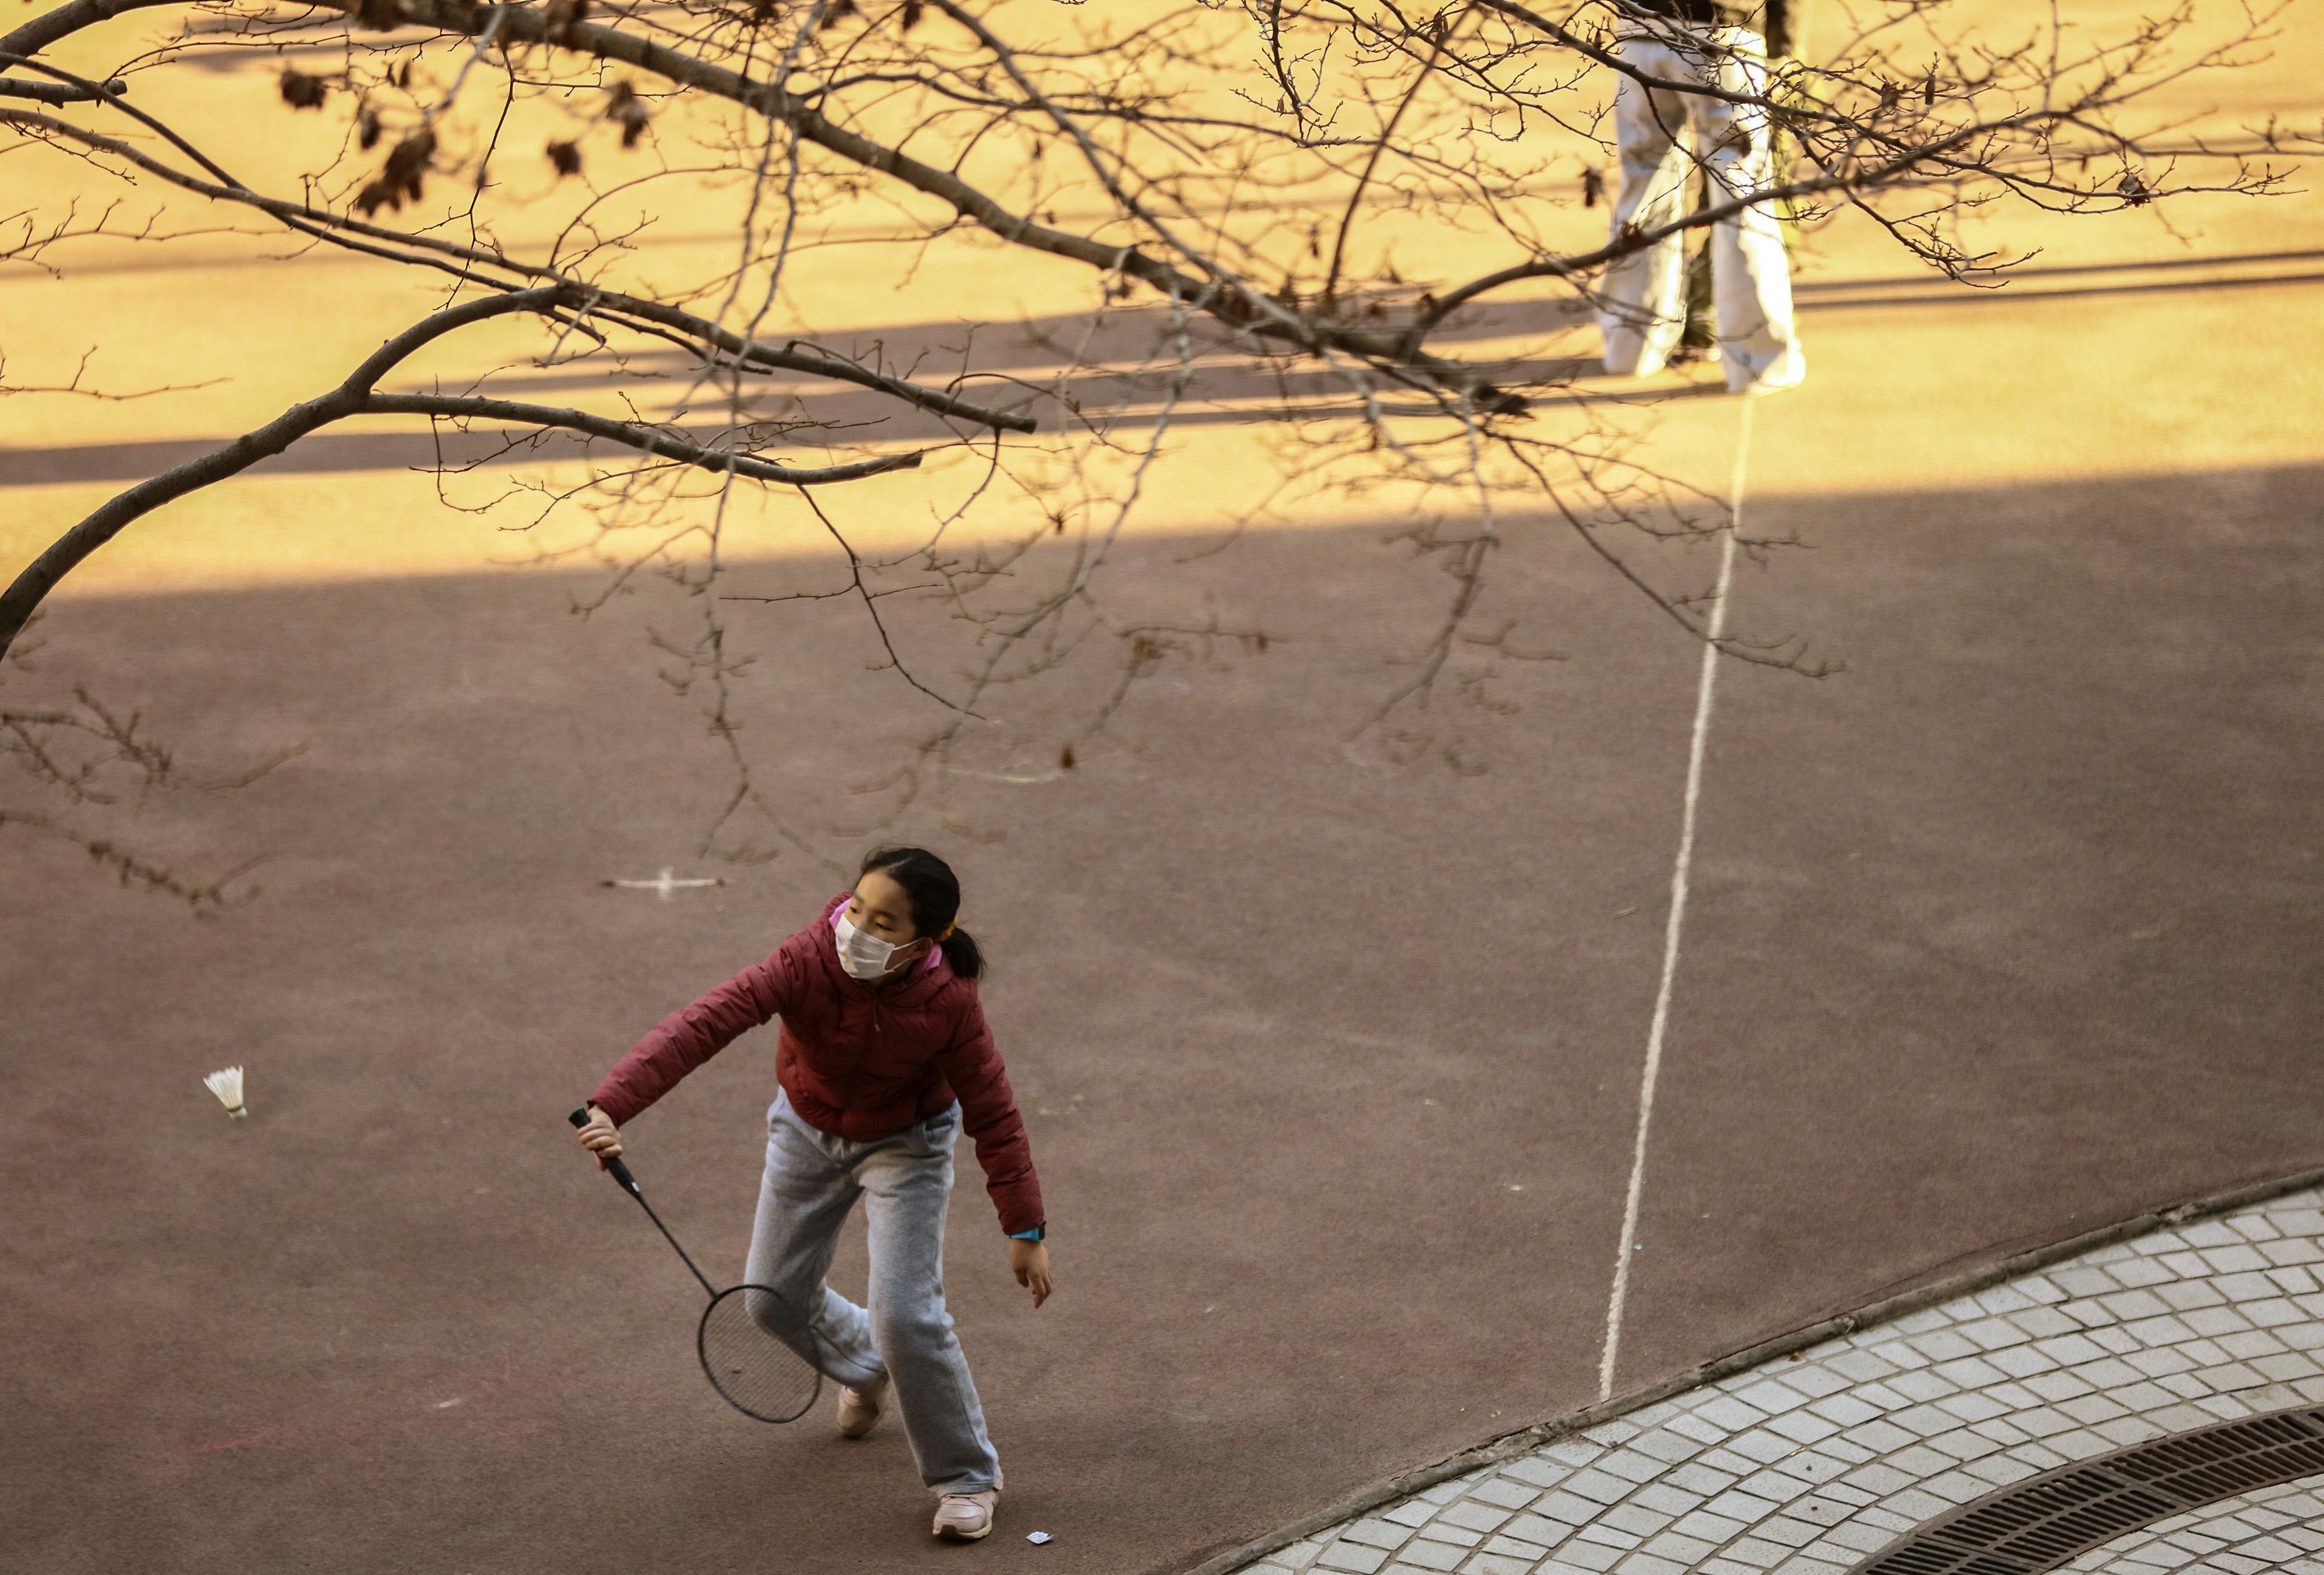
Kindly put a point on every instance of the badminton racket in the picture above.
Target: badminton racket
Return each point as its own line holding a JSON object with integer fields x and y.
{"x": 753, "y": 1370}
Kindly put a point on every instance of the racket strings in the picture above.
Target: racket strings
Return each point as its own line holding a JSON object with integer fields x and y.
{"x": 757, "y": 1370}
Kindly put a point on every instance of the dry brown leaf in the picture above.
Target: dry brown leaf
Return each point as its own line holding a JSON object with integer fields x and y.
{"x": 300, "y": 91}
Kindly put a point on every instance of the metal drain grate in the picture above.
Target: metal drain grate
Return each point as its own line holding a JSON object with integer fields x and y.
{"x": 2042, "y": 1522}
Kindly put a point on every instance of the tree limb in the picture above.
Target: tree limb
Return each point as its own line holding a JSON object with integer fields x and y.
{"x": 633, "y": 434}
{"x": 750, "y": 353}
{"x": 355, "y": 396}
{"x": 57, "y": 92}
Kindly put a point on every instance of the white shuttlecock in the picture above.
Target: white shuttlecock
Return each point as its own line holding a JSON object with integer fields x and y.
{"x": 227, "y": 1084}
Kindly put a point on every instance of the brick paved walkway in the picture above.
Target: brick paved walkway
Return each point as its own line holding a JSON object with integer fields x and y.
{"x": 2277, "y": 1528}
{"x": 1811, "y": 1463}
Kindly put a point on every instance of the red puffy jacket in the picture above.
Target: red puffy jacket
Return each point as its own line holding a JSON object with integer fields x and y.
{"x": 857, "y": 1062}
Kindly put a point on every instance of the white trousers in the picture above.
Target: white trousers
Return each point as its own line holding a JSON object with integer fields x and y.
{"x": 1642, "y": 310}
{"x": 812, "y": 1180}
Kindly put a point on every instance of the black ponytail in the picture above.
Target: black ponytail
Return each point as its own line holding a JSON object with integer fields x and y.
{"x": 934, "y": 892}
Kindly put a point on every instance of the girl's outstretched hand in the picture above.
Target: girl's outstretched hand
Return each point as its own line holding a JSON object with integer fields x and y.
{"x": 1030, "y": 1260}
{"x": 598, "y": 1137}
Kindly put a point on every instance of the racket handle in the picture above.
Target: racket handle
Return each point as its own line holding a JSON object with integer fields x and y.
{"x": 613, "y": 1167}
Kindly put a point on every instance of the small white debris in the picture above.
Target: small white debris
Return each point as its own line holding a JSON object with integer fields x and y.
{"x": 1037, "y": 1538}
{"x": 447, "y": 1404}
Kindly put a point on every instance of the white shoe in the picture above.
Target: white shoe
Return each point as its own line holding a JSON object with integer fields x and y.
{"x": 859, "y": 1408}
{"x": 1787, "y": 370}
{"x": 1644, "y": 366}
{"x": 966, "y": 1516}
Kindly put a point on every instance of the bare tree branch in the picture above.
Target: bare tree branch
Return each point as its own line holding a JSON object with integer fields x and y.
{"x": 355, "y": 396}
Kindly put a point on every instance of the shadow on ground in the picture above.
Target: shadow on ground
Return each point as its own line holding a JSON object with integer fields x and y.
{"x": 1330, "y": 1062}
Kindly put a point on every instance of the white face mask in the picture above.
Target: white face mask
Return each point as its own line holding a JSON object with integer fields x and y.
{"x": 864, "y": 957}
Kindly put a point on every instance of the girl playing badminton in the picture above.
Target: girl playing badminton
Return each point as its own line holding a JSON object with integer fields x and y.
{"x": 883, "y": 1057}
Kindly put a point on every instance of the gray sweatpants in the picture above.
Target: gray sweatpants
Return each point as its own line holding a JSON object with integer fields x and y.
{"x": 812, "y": 1180}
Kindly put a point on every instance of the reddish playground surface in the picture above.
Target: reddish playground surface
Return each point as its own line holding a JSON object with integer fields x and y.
{"x": 1331, "y": 1067}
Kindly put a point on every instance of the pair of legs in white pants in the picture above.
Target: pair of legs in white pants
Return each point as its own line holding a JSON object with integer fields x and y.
{"x": 812, "y": 1180}
{"x": 1643, "y": 309}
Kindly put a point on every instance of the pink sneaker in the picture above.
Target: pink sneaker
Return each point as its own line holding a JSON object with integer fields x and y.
{"x": 966, "y": 1516}
{"x": 859, "y": 1408}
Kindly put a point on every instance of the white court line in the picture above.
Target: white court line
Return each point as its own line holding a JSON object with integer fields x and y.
{"x": 1704, "y": 688}
{"x": 664, "y": 883}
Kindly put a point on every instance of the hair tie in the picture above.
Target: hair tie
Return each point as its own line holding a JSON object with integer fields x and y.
{"x": 948, "y": 934}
